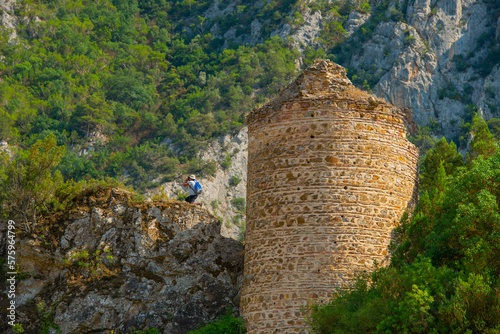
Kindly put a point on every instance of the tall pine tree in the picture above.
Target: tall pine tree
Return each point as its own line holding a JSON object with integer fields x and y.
{"x": 483, "y": 143}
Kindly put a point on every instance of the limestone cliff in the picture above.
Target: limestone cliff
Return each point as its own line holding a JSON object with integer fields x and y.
{"x": 114, "y": 265}
{"x": 439, "y": 57}
{"x": 8, "y": 19}
{"x": 433, "y": 63}
{"x": 436, "y": 58}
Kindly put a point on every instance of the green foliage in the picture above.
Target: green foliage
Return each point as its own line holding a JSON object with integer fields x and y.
{"x": 239, "y": 203}
{"x": 148, "y": 331}
{"x": 181, "y": 196}
{"x": 29, "y": 180}
{"x": 451, "y": 92}
{"x": 494, "y": 127}
{"x": 32, "y": 185}
{"x": 483, "y": 143}
{"x": 215, "y": 204}
{"x": 490, "y": 91}
{"x": 235, "y": 220}
{"x": 493, "y": 108}
{"x": 80, "y": 258}
{"x": 445, "y": 266}
{"x": 201, "y": 167}
{"x": 333, "y": 33}
{"x": 95, "y": 265}
{"x": 389, "y": 301}
{"x": 227, "y": 162}
{"x": 160, "y": 195}
{"x": 18, "y": 328}
{"x": 311, "y": 54}
{"x": 460, "y": 63}
{"x": 410, "y": 39}
{"x": 121, "y": 72}
{"x": 242, "y": 227}
{"x": 365, "y": 7}
{"x": 466, "y": 124}
{"x": 492, "y": 58}
{"x": 397, "y": 15}
{"x": 442, "y": 153}
{"x": 234, "y": 180}
{"x": 46, "y": 316}
{"x": 424, "y": 137}
{"x": 226, "y": 324}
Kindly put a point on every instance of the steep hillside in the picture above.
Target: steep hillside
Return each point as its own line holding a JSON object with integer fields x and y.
{"x": 126, "y": 90}
{"x": 114, "y": 265}
{"x": 440, "y": 58}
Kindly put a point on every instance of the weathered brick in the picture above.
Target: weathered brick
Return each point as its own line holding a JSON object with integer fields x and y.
{"x": 330, "y": 173}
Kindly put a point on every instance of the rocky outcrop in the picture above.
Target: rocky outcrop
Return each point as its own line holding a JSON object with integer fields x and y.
{"x": 354, "y": 21}
{"x": 114, "y": 265}
{"x": 8, "y": 20}
{"x": 4, "y": 147}
{"x": 432, "y": 60}
{"x": 306, "y": 34}
{"x": 228, "y": 184}
{"x": 300, "y": 33}
{"x": 432, "y": 63}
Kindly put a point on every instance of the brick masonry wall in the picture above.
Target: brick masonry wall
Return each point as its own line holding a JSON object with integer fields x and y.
{"x": 330, "y": 173}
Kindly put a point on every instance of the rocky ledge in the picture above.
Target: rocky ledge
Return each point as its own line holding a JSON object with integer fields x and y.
{"x": 112, "y": 265}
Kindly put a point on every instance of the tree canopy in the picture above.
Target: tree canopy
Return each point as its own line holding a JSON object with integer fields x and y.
{"x": 111, "y": 78}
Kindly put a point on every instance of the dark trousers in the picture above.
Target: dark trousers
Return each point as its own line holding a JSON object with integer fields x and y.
{"x": 191, "y": 198}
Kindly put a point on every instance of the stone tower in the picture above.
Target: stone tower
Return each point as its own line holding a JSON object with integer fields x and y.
{"x": 330, "y": 172}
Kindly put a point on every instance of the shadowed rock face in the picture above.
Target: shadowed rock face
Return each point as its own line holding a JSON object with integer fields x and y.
{"x": 330, "y": 172}
{"x": 157, "y": 265}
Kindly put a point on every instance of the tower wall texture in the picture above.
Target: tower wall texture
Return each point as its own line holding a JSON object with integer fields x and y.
{"x": 330, "y": 172}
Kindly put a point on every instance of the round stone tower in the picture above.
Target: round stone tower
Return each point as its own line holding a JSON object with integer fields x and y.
{"x": 330, "y": 172}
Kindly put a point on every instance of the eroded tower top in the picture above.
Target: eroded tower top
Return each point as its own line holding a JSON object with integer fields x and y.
{"x": 325, "y": 80}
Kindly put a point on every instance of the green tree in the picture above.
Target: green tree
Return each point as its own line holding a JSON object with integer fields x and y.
{"x": 189, "y": 3}
{"x": 91, "y": 114}
{"x": 7, "y": 129}
{"x": 127, "y": 70}
{"x": 443, "y": 152}
{"x": 483, "y": 143}
{"x": 333, "y": 33}
{"x": 227, "y": 324}
{"x": 494, "y": 127}
{"x": 30, "y": 179}
{"x": 130, "y": 87}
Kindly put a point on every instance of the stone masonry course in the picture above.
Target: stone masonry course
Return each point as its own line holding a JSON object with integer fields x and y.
{"x": 330, "y": 173}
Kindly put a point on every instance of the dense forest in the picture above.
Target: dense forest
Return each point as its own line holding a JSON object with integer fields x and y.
{"x": 123, "y": 91}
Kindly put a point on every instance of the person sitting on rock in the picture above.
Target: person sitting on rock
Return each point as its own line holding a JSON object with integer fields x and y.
{"x": 194, "y": 189}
